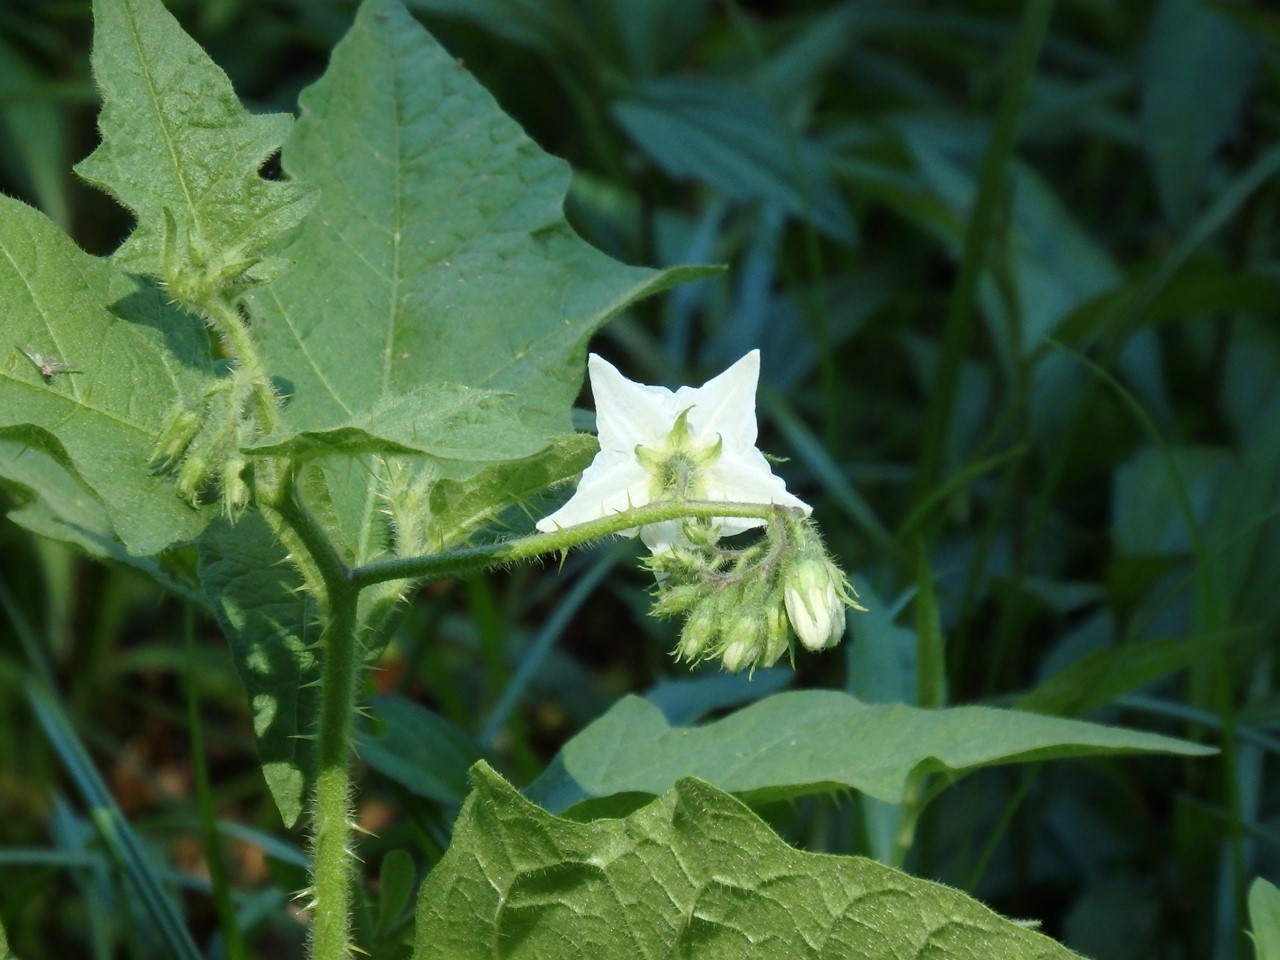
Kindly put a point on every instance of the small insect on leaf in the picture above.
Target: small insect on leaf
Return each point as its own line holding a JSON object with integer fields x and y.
{"x": 48, "y": 367}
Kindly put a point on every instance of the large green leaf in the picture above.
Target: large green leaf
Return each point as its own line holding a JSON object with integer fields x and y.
{"x": 693, "y": 874}
{"x": 438, "y": 254}
{"x": 175, "y": 138}
{"x": 98, "y": 422}
{"x": 259, "y": 603}
{"x": 808, "y": 741}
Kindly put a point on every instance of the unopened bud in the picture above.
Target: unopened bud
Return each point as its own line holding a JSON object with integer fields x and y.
{"x": 235, "y": 492}
{"x": 745, "y": 644}
{"x": 181, "y": 424}
{"x": 815, "y": 592}
{"x": 700, "y": 631}
{"x": 816, "y": 614}
{"x": 777, "y": 633}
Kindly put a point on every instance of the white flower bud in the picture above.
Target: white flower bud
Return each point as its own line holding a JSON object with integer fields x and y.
{"x": 814, "y": 605}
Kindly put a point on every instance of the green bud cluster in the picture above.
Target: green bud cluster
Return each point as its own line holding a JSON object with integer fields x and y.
{"x": 195, "y": 274}
{"x": 201, "y": 442}
{"x": 748, "y": 607}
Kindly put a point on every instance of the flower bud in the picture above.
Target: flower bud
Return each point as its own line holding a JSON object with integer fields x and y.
{"x": 700, "y": 631}
{"x": 181, "y": 424}
{"x": 676, "y": 599}
{"x": 814, "y": 604}
{"x": 744, "y": 647}
{"x": 777, "y": 633}
{"x": 235, "y": 492}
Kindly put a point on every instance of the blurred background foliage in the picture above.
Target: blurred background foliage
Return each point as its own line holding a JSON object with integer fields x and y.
{"x": 1015, "y": 271}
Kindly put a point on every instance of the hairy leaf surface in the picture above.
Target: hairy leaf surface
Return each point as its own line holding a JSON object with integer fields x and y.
{"x": 693, "y": 874}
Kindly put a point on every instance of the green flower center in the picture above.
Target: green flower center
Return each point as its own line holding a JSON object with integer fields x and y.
{"x": 678, "y": 468}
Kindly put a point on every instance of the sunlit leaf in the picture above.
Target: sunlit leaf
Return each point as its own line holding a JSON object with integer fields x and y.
{"x": 438, "y": 259}
{"x": 118, "y": 333}
{"x": 693, "y": 874}
{"x": 175, "y": 138}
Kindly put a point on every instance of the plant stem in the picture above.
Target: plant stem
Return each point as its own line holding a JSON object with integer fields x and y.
{"x": 451, "y": 563}
{"x": 224, "y": 319}
{"x": 333, "y": 858}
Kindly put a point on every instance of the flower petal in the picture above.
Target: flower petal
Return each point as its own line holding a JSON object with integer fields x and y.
{"x": 612, "y": 483}
{"x": 725, "y": 405}
{"x": 628, "y": 413}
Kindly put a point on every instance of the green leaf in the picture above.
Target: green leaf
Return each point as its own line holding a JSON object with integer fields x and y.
{"x": 96, "y": 422}
{"x": 440, "y": 419}
{"x": 811, "y": 741}
{"x": 1146, "y": 504}
{"x": 1055, "y": 265}
{"x": 1242, "y": 531}
{"x": 1264, "y": 918}
{"x": 262, "y": 610}
{"x": 396, "y": 880}
{"x": 1103, "y": 676}
{"x": 175, "y": 138}
{"x": 438, "y": 254}
{"x": 418, "y": 749}
{"x": 732, "y": 138}
{"x": 457, "y": 508}
{"x": 34, "y": 132}
{"x": 528, "y": 23}
{"x": 53, "y": 504}
{"x": 1186, "y": 120}
{"x": 693, "y": 874}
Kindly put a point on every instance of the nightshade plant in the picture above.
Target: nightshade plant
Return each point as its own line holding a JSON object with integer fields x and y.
{"x": 296, "y": 400}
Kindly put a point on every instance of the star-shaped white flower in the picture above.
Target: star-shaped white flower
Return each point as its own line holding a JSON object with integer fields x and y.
{"x": 699, "y": 440}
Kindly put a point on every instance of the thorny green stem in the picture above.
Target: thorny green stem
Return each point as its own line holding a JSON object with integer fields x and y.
{"x": 333, "y": 858}
{"x": 224, "y": 319}
{"x": 332, "y": 817}
{"x": 451, "y": 563}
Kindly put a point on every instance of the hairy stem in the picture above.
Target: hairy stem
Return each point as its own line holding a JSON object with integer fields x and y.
{"x": 452, "y": 563}
{"x": 333, "y": 859}
{"x": 229, "y": 326}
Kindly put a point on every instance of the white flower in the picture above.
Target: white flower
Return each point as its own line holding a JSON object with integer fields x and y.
{"x": 696, "y": 443}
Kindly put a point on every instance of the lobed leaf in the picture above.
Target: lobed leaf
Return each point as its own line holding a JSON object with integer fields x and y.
{"x": 801, "y": 742}
{"x": 176, "y": 139}
{"x": 693, "y": 874}
{"x": 437, "y": 258}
